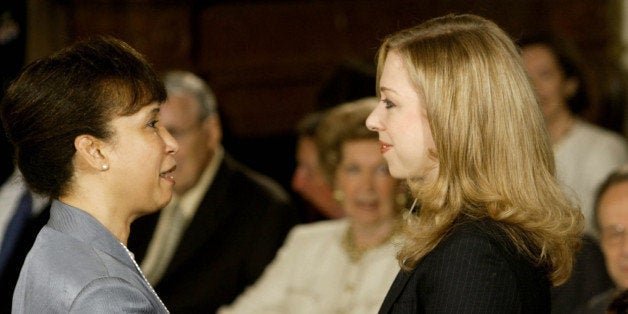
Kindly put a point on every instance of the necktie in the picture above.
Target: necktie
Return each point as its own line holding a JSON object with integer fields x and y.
{"x": 15, "y": 227}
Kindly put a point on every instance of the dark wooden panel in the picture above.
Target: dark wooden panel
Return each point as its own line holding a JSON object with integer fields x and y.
{"x": 276, "y": 54}
{"x": 162, "y": 32}
{"x": 267, "y": 59}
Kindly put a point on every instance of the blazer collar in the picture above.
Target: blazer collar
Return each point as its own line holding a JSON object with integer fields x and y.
{"x": 83, "y": 227}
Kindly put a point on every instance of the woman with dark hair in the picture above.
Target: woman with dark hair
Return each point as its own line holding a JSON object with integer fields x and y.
{"x": 84, "y": 123}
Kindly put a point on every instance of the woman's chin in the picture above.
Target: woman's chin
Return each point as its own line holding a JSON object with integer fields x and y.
{"x": 398, "y": 173}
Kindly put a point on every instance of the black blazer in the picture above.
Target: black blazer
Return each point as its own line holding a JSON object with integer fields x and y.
{"x": 588, "y": 279}
{"x": 473, "y": 270}
{"x": 236, "y": 231}
{"x": 8, "y": 278}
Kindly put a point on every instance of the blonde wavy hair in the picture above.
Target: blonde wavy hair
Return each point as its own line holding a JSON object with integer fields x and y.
{"x": 493, "y": 151}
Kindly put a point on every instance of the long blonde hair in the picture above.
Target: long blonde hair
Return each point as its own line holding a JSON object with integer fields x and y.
{"x": 493, "y": 151}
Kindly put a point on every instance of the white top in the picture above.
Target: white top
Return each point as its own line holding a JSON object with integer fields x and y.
{"x": 312, "y": 273}
{"x": 584, "y": 158}
{"x": 10, "y": 194}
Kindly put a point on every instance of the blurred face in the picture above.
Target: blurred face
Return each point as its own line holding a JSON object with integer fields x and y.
{"x": 552, "y": 87}
{"x": 369, "y": 190}
{"x": 197, "y": 139}
{"x": 401, "y": 121}
{"x": 310, "y": 183}
{"x": 613, "y": 221}
{"x": 141, "y": 157}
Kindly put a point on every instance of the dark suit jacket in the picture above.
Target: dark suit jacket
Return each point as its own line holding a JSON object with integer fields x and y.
{"x": 8, "y": 278}
{"x": 599, "y": 303}
{"x": 473, "y": 270}
{"x": 236, "y": 231}
{"x": 589, "y": 278}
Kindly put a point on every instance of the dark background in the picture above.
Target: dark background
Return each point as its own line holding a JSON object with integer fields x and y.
{"x": 267, "y": 60}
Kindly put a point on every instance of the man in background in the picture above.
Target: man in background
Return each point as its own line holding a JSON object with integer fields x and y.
{"x": 611, "y": 217}
{"x": 225, "y": 221}
{"x": 22, "y": 214}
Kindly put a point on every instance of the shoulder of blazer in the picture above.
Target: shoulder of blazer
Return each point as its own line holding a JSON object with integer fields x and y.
{"x": 397, "y": 288}
{"x": 463, "y": 229}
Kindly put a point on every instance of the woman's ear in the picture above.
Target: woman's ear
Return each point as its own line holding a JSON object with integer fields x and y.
{"x": 89, "y": 150}
{"x": 212, "y": 126}
{"x": 571, "y": 87}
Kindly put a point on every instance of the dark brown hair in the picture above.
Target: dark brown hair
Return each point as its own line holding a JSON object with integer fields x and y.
{"x": 75, "y": 91}
{"x": 570, "y": 62}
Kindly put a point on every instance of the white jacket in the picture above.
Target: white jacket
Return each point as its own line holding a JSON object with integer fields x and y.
{"x": 312, "y": 273}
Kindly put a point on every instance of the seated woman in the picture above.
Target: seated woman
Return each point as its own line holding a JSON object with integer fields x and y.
{"x": 344, "y": 265}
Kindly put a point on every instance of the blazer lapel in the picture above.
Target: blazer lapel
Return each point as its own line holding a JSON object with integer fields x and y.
{"x": 395, "y": 291}
{"x": 81, "y": 225}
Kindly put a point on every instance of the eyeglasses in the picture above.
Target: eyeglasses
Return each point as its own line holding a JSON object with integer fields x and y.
{"x": 180, "y": 134}
{"x": 613, "y": 235}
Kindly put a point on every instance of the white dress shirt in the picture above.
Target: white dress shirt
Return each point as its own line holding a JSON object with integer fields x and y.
{"x": 10, "y": 193}
{"x": 585, "y": 156}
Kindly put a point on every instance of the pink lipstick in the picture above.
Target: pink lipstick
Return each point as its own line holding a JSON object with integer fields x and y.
{"x": 384, "y": 147}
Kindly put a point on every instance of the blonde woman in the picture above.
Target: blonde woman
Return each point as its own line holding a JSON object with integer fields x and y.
{"x": 459, "y": 120}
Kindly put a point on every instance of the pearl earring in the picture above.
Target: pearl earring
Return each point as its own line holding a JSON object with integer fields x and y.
{"x": 104, "y": 167}
{"x": 401, "y": 199}
{"x": 339, "y": 196}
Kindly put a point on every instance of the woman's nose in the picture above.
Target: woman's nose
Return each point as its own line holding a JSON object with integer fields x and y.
{"x": 372, "y": 121}
{"x": 172, "y": 146}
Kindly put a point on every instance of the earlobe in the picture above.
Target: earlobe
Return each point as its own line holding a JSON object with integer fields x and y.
{"x": 571, "y": 87}
{"x": 212, "y": 123}
{"x": 89, "y": 149}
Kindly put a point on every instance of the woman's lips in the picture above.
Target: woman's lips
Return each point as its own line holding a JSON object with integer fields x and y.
{"x": 384, "y": 147}
{"x": 168, "y": 175}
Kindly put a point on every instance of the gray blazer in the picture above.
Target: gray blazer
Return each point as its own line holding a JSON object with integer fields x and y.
{"x": 77, "y": 266}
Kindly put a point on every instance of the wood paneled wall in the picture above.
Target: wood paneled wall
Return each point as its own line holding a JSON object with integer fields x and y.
{"x": 266, "y": 60}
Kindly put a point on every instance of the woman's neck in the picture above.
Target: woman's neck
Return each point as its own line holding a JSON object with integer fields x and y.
{"x": 367, "y": 236}
{"x": 119, "y": 225}
{"x": 359, "y": 239}
{"x": 559, "y": 125}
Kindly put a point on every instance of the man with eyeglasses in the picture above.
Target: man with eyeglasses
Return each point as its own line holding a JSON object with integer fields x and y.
{"x": 225, "y": 221}
{"x": 611, "y": 217}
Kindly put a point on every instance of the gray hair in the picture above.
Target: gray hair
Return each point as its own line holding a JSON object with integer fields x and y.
{"x": 184, "y": 82}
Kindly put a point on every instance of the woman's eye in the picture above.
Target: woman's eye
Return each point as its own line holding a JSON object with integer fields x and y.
{"x": 153, "y": 124}
{"x": 388, "y": 104}
{"x": 383, "y": 169}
